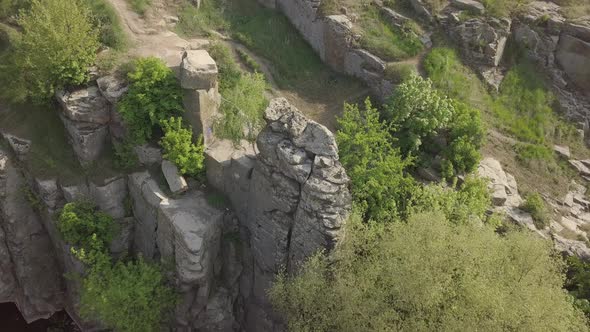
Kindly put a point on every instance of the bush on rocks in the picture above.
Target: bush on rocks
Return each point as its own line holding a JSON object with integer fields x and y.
{"x": 179, "y": 147}
{"x": 154, "y": 95}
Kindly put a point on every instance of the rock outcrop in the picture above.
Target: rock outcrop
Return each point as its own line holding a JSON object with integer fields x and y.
{"x": 185, "y": 232}
{"x": 85, "y": 114}
{"x": 291, "y": 199}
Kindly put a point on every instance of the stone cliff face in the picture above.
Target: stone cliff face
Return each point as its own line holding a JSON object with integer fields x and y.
{"x": 30, "y": 276}
{"x": 287, "y": 198}
{"x": 291, "y": 199}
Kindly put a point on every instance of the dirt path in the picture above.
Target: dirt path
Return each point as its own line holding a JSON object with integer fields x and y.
{"x": 150, "y": 34}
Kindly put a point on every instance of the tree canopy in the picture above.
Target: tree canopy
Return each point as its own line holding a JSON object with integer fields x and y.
{"x": 429, "y": 274}
{"x": 57, "y": 45}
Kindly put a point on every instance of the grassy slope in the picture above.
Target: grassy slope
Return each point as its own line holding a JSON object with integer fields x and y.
{"x": 523, "y": 126}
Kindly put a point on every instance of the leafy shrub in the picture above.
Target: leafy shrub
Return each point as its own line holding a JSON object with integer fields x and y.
{"x": 125, "y": 157}
{"x": 466, "y": 134}
{"x": 79, "y": 222}
{"x": 57, "y": 45}
{"x": 429, "y": 274}
{"x": 11, "y": 7}
{"x": 179, "y": 147}
{"x": 419, "y": 114}
{"x": 470, "y": 202}
{"x": 416, "y": 111}
{"x": 399, "y": 72}
{"x": 154, "y": 95}
{"x": 130, "y": 297}
{"x": 578, "y": 282}
{"x": 379, "y": 183}
{"x": 535, "y": 205}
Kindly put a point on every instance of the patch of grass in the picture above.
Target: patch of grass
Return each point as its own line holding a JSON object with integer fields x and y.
{"x": 385, "y": 41}
{"x": 574, "y": 8}
{"x": 193, "y": 21}
{"x": 243, "y": 100}
{"x": 107, "y": 21}
{"x": 535, "y": 205}
{"x": 51, "y": 155}
{"x": 249, "y": 61}
{"x": 140, "y": 6}
{"x": 263, "y": 31}
{"x": 522, "y": 110}
{"x": 399, "y": 72}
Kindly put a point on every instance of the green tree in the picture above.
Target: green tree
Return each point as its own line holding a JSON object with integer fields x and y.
{"x": 154, "y": 95}
{"x": 127, "y": 297}
{"x": 57, "y": 45}
{"x": 179, "y": 147}
{"x": 417, "y": 111}
{"x": 379, "y": 183}
{"x": 429, "y": 274}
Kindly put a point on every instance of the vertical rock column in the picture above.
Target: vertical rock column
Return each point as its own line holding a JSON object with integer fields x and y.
{"x": 298, "y": 201}
{"x": 30, "y": 272}
{"x": 198, "y": 78}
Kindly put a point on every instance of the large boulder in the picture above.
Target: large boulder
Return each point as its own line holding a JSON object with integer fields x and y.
{"x": 84, "y": 105}
{"x": 573, "y": 55}
{"x": 473, "y": 6}
{"x": 110, "y": 196}
{"x": 481, "y": 40}
{"x": 112, "y": 87}
{"x": 175, "y": 180}
{"x": 85, "y": 114}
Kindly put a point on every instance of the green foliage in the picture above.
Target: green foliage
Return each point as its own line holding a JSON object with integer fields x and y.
{"x": 470, "y": 202}
{"x": 272, "y": 37}
{"x": 503, "y": 8}
{"x": 179, "y": 147}
{"x": 243, "y": 100}
{"x": 242, "y": 107}
{"x": 379, "y": 184}
{"x": 466, "y": 135}
{"x": 11, "y": 7}
{"x": 154, "y": 95}
{"x": 416, "y": 111}
{"x": 229, "y": 70}
{"x": 535, "y": 205}
{"x": 57, "y": 45}
{"x": 80, "y": 222}
{"x": 420, "y": 115}
{"x": 127, "y": 297}
{"x": 385, "y": 41}
{"x": 249, "y": 61}
{"x": 140, "y": 6}
{"x": 199, "y": 21}
{"x": 398, "y": 73}
{"x": 578, "y": 282}
{"x": 429, "y": 274}
{"x": 125, "y": 157}
{"x": 106, "y": 20}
